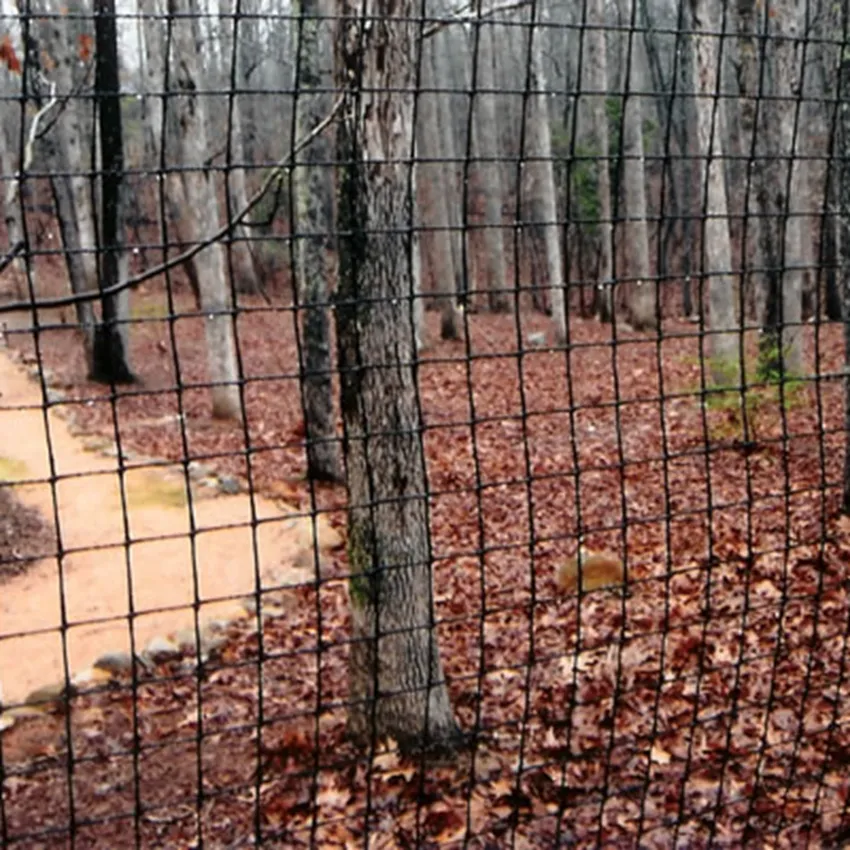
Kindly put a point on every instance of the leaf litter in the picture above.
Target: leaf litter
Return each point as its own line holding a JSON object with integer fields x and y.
{"x": 706, "y": 705}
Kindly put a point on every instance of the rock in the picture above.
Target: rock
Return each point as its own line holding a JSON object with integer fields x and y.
{"x": 229, "y": 484}
{"x": 211, "y": 642}
{"x": 114, "y": 663}
{"x": 249, "y": 603}
{"x": 7, "y": 721}
{"x": 161, "y": 649}
{"x": 50, "y": 697}
{"x": 272, "y": 612}
{"x": 536, "y": 338}
{"x": 54, "y": 396}
{"x": 199, "y": 472}
{"x": 98, "y": 444}
{"x": 329, "y": 538}
{"x": 91, "y": 676}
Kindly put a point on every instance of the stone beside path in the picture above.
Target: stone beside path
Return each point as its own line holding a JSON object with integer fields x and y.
{"x": 103, "y": 577}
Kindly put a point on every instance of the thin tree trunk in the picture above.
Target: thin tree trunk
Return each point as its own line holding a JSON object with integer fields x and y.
{"x": 110, "y": 353}
{"x": 201, "y": 212}
{"x": 717, "y": 251}
{"x": 642, "y": 291}
{"x": 595, "y": 79}
{"x": 241, "y": 257}
{"x": 843, "y": 158}
{"x": 397, "y": 687}
{"x": 486, "y": 140}
{"x": 441, "y": 62}
{"x": 67, "y": 151}
{"x": 792, "y": 188}
{"x": 435, "y": 214}
{"x": 312, "y": 187}
{"x": 11, "y": 166}
{"x": 543, "y": 203}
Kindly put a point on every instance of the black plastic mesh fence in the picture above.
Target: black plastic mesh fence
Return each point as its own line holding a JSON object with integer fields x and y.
{"x": 422, "y": 424}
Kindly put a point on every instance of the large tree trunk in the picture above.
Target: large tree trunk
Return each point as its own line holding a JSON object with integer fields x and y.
{"x": 201, "y": 212}
{"x": 594, "y": 78}
{"x": 486, "y": 144}
{"x": 398, "y": 690}
{"x": 642, "y": 291}
{"x": 110, "y": 353}
{"x": 717, "y": 251}
{"x": 311, "y": 226}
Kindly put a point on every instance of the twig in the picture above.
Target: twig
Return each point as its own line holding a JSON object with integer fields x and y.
{"x": 276, "y": 172}
{"x": 473, "y": 15}
{"x": 17, "y": 248}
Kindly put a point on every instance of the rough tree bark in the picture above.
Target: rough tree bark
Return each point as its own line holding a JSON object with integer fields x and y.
{"x": 110, "y": 362}
{"x": 201, "y": 212}
{"x": 717, "y": 251}
{"x": 397, "y": 687}
{"x": 312, "y": 189}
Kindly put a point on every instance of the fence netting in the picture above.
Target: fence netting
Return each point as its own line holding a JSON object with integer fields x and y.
{"x": 423, "y": 424}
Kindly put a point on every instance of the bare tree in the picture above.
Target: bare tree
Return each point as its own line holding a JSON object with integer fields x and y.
{"x": 67, "y": 149}
{"x": 200, "y": 211}
{"x": 770, "y": 116}
{"x": 110, "y": 362}
{"x": 843, "y": 157}
{"x": 642, "y": 292}
{"x": 544, "y": 210}
{"x": 594, "y": 79}
{"x": 397, "y": 687}
{"x": 433, "y": 185}
{"x": 241, "y": 258}
{"x": 488, "y": 168}
{"x": 717, "y": 250}
{"x": 311, "y": 227}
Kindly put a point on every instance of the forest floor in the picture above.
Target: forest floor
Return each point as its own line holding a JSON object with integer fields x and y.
{"x": 90, "y": 594}
{"x": 706, "y": 705}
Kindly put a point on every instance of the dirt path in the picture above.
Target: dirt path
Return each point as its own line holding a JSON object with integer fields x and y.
{"x": 94, "y": 582}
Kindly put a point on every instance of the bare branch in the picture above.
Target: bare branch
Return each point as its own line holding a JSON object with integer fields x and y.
{"x": 277, "y": 171}
{"x": 471, "y": 15}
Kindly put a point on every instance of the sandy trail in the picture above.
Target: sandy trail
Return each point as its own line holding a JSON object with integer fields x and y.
{"x": 128, "y": 568}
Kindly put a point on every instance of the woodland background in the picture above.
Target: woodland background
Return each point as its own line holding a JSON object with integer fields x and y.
{"x": 603, "y": 249}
